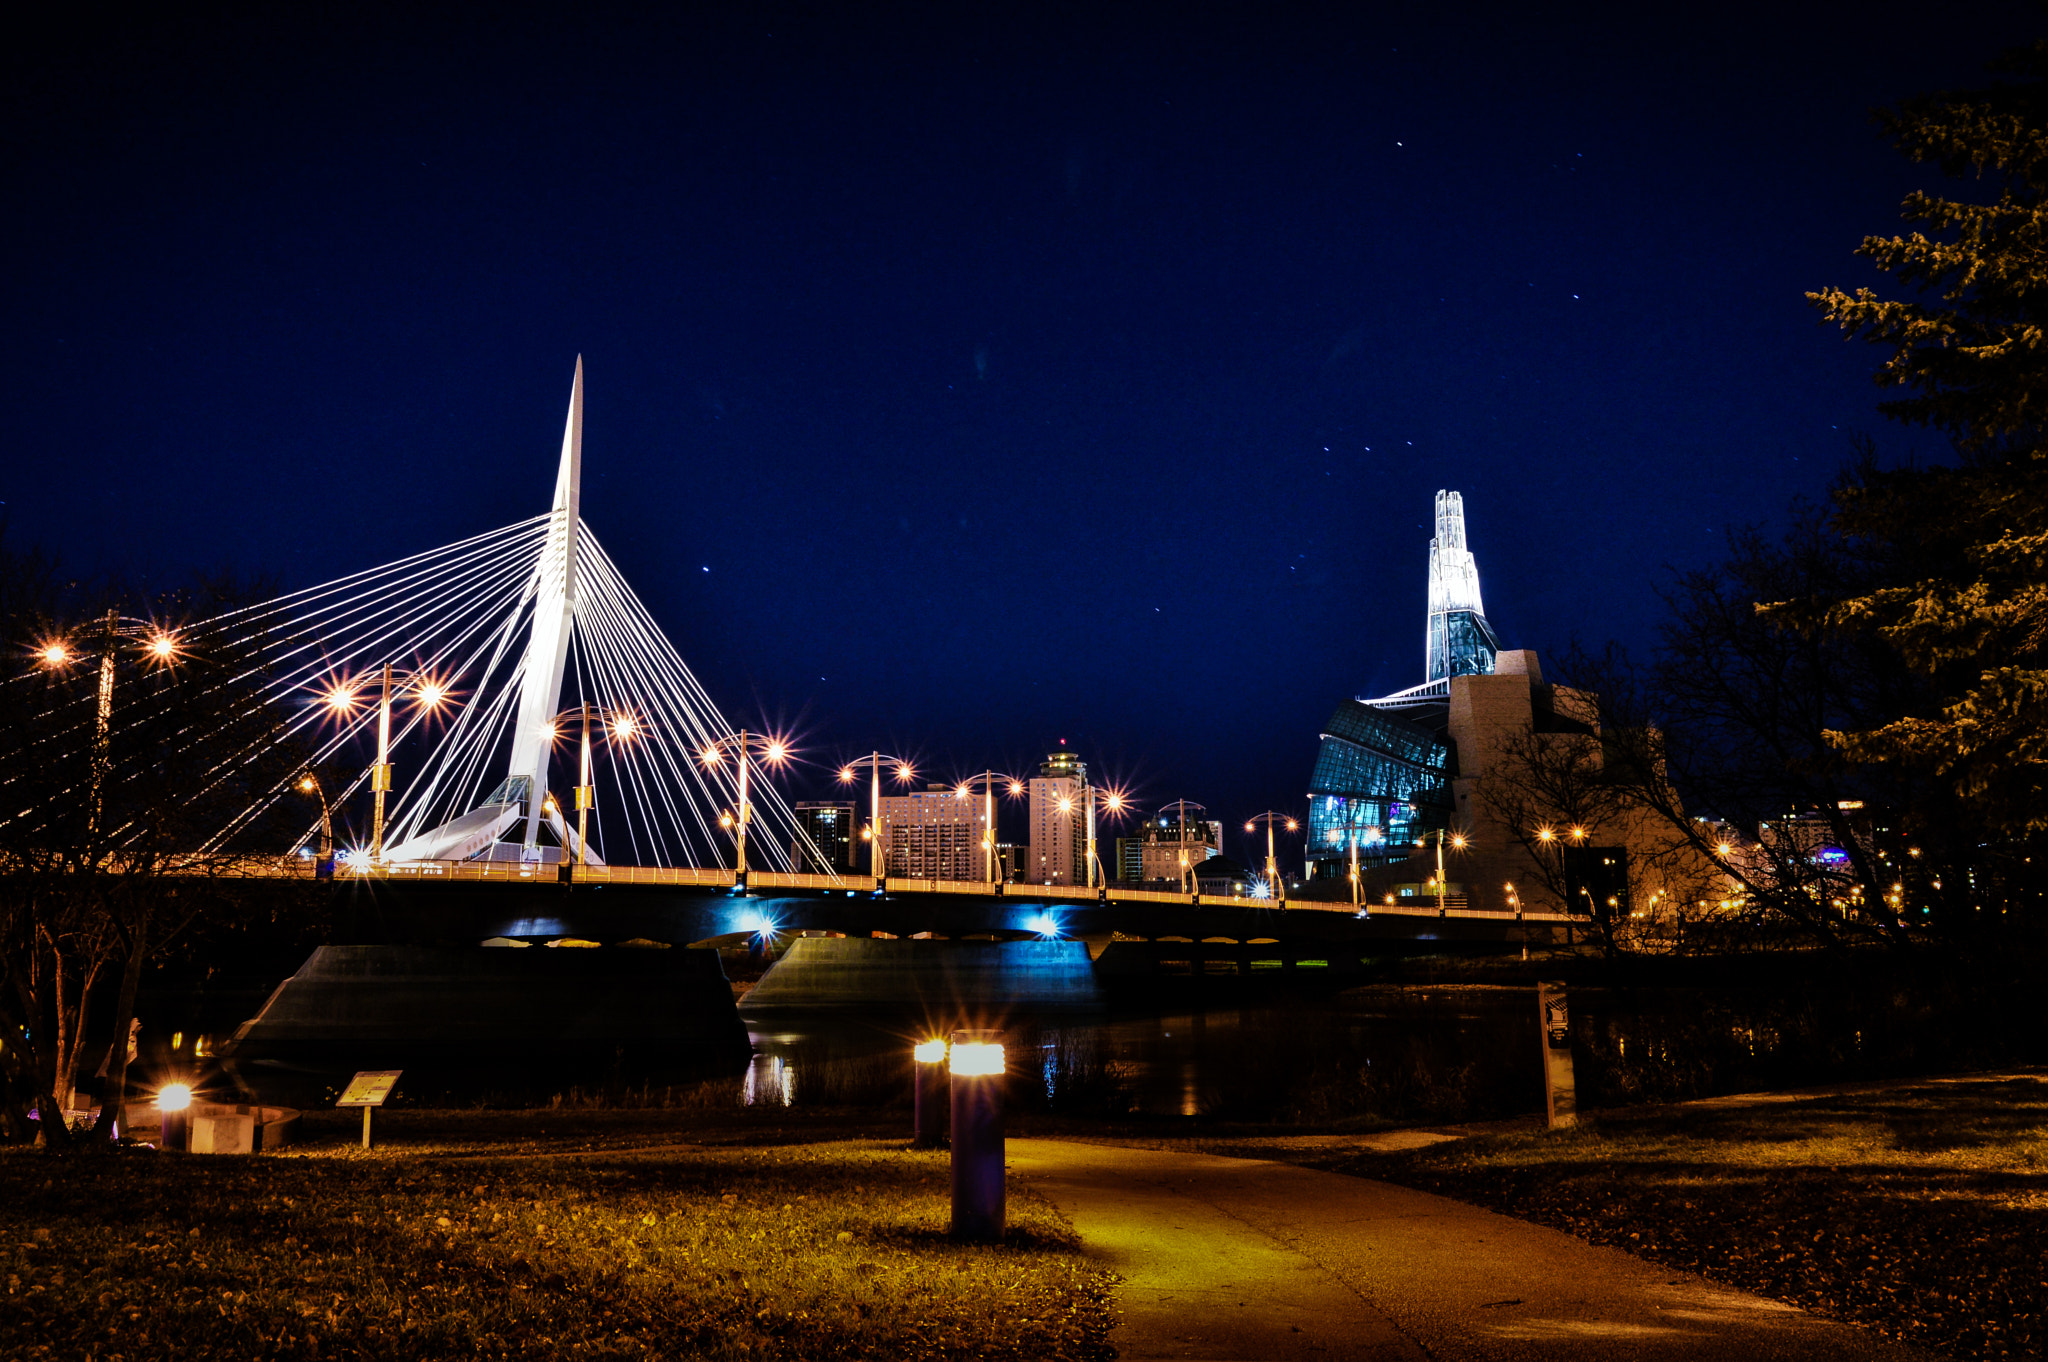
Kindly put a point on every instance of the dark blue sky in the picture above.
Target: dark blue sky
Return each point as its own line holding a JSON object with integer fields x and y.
{"x": 1016, "y": 372}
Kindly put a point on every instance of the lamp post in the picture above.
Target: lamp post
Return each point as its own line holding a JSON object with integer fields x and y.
{"x": 988, "y": 781}
{"x": 1113, "y": 803}
{"x": 621, "y": 726}
{"x": 743, "y": 745}
{"x": 1180, "y": 809}
{"x": 904, "y": 772}
{"x": 323, "y": 864}
{"x": 158, "y": 645}
{"x": 428, "y": 692}
{"x": 1277, "y": 885}
{"x": 976, "y": 1065}
{"x": 1457, "y": 844}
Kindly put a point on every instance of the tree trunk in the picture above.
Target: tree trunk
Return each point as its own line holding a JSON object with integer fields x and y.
{"x": 114, "y": 1094}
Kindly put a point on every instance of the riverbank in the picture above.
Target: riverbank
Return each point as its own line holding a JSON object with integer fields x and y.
{"x": 543, "y": 1234}
{"x": 1917, "y": 1208}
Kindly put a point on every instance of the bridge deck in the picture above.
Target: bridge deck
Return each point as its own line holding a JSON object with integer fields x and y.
{"x": 516, "y": 872}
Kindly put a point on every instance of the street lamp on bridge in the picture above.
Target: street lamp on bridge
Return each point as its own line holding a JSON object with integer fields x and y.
{"x": 323, "y": 865}
{"x": 621, "y": 726}
{"x": 1015, "y": 788}
{"x": 1113, "y": 802}
{"x": 743, "y": 746}
{"x": 429, "y": 692}
{"x": 905, "y": 772}
{"x": 1275, "y": 884}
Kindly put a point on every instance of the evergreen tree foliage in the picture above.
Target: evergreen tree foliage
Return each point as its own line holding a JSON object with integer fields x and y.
{"x": 1961, "y": 550}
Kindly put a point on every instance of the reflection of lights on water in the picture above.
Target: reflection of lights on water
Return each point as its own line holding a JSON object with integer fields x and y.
{"x": 770, "y": 1082}
{"x": 1190, "y": 1091}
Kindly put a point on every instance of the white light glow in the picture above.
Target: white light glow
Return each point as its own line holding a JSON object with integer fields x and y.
{"x": 930, "y": 1052}
{"x": 977, "y": 1060}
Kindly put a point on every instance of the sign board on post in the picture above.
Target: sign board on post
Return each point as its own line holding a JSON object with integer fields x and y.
{"x": 1559, "y": 1090}
{"x": 368, "y": 1090}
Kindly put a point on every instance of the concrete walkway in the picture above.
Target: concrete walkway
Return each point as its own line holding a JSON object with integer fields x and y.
{"x": 1241, "y": 1259}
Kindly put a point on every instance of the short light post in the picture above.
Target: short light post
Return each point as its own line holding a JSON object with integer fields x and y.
{"x": 928, "y": 1112}
{"x": 978, "y": 1151}
{"x": 743, "y": 746}
{"x": 905, "y": 772}
{"x": 174, "y": 1105}
{"x": 1276, "y": 885}
{"x": 1014, "y": 788}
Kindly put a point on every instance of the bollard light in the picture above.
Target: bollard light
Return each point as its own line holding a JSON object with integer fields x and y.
{"x": 977, "y": 1075}
{"x": 174, "y": 1103}
{"x": 928, "y": 1124}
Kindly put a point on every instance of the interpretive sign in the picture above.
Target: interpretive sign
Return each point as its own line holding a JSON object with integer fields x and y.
{"x": 1559, "y": 1089}
{"x": 369, "y": 1088}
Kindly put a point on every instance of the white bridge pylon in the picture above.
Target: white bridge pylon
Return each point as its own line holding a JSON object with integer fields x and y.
{"x": 485, "y": 636}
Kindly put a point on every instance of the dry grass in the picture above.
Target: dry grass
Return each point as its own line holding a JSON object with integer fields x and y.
{"x": 481, "y": 1236}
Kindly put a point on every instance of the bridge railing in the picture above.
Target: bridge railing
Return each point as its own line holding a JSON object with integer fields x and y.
{"x": 918, "y": 886}
{"x": 1149, "y": 896}
{"x": 654, "y": 874}
{"x": 776, "y": 879}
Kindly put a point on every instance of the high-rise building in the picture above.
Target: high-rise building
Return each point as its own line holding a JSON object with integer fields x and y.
{"x": 933, "y": 834}
{"x": 1130, "y": 859}
{"x": 1059, "y": 820}
{"x": 833, "y": 841}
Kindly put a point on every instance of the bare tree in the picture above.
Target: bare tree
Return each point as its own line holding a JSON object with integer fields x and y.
{"x": 126, "y": 748}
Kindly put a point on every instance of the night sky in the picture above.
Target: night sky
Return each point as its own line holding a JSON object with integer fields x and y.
{"x": 968, "y": 378}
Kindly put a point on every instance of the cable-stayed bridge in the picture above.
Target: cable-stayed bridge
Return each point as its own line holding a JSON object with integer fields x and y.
{"x": 518, "y": 662}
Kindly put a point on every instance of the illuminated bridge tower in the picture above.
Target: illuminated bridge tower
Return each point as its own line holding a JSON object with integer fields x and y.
{"x": 1461, "y": 642}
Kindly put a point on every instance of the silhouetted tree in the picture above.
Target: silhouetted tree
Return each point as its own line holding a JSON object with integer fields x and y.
{"x": 1964, "y": 599}
{"x": 121, "y": 766}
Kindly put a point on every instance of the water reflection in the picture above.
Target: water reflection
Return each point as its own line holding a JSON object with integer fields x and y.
{"x": 1433, "y": 1053}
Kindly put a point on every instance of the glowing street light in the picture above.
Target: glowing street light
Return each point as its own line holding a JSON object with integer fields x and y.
{"x": 1278, "y": 886}
{"x": 323, "y": 867}
{"x": 743, "y": 745}
{"x": 905, "y": 773}
{"x": 1014, "y": 787}
{"x": 158, "y": 644}
{"x": 1458, "y": 843}
{"x": 622, "y": 727}
{"x": 429, "y": 694}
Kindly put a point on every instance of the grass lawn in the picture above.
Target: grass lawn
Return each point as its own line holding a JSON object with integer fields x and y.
{"x": 533, "y": 1235}
{"x": 1921, "y": 1209}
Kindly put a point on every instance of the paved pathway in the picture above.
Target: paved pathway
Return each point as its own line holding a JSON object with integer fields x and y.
{"x": 1241, "y": 1259}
